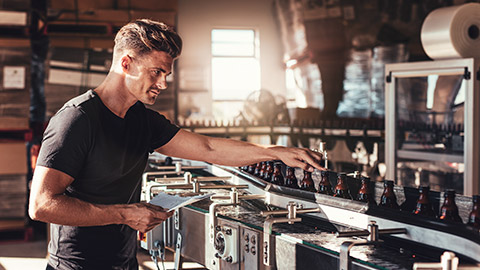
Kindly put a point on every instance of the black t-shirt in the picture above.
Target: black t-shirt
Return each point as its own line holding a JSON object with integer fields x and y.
{"x": 106, "y": 155}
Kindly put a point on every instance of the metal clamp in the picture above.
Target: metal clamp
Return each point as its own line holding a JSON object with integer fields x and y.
{"x": 233, "y": 198}
{"x": 448, "y": 261}
{"x": 372, "y": 234}
{"x": 291, "y": 218}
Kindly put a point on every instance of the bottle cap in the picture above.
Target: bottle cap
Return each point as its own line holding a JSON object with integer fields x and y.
{"x": 388, "y": 183}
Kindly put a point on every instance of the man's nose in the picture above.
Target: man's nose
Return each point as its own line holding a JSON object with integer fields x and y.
{"x": 162, "y": 83}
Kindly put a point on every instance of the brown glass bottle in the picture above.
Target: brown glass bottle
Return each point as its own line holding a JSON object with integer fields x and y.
{"x": 277, "y": 177}
{"x": 267, "y": 175}
{"x": 364, "y": 194}
{"x": 325, "y": 187}
{"x": 341, "y": 189}
{"x": 307, "y": 182}
{"x": 258, "y": 167}
{"x": 261, "y": 174}
{"x": 474, "y": 216}
{"x": 388, "y": 198}
{"x": 290, "y": 179}
{"x": 424, "y": 207}
{"x": 449, "y": 209}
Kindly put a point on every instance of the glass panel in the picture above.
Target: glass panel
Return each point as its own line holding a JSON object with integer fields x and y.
{"x": 234, "y": 78}
{"x": 430, "y": 126}
{"x": 233, "y": 42}
{"x": 233, "y": 49}
{"x": 233, "y": 36}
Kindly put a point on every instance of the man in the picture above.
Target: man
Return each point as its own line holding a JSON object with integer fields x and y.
{"x": 96, "y": 147}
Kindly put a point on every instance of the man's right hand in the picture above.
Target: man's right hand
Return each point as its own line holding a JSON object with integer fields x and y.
{"x": 145, "y": 216}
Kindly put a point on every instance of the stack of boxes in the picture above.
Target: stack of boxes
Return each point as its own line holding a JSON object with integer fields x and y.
{"x": 81, "y": 42}
{"x": 15, "y": 60}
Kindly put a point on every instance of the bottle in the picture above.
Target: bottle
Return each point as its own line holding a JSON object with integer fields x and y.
{"x": 449, "y": 209}
{"x": 261, "y": 174}
{"x": 277, "y": 177}
{"x": 251, "y": 168}
{"x": 474, "y": 216}
{"x": 307, "y": 182}
{"x": 424, "y": 207}
{"x": 364, "y": 194}
{"x": 258, "y": 167}
{"x": 267, "y": 175}
{"x": 388, "y": 198}
{"x": 290, "y": 179}
{"x": 325, "y": 187}
{"x": 341, "y": 189}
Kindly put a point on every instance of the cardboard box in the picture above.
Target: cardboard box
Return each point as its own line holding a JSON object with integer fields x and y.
{"x": 13, "y": 157}
{"x": 14, "y": 123}
{"x": 82, "y": 4}
{"x": 95, "y": 15}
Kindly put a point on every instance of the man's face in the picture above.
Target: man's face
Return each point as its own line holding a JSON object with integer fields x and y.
{"x": 147, "y": 76}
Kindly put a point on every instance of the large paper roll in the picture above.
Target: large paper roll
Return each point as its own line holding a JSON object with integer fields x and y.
{"x": 452, "y": 32}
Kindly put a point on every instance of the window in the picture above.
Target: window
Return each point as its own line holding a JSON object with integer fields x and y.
{"x": 235, "y": 69}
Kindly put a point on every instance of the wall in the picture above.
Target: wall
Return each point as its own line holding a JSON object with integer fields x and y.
{"x": 195, "y": 21}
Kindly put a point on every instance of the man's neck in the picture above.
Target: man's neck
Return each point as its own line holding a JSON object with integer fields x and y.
{"x": 115, "y": 96}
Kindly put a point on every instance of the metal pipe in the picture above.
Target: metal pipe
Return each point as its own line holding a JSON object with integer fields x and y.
{"x": 367, "y": 233}
{"x": 352, "y": 233}
{"x": 285, "y": 212}
{"x": 199, "y": 178}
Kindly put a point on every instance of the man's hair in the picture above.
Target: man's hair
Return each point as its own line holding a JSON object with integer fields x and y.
{"x": 144, "y": 36}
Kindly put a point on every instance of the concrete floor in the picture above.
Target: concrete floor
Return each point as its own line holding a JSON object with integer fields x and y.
{"x": 32, "y": 256}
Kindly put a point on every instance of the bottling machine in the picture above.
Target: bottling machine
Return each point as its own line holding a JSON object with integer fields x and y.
{"x": 250, "y": 223}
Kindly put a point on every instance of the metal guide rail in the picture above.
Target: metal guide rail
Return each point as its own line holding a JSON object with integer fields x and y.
{"x": 252, "y": 224}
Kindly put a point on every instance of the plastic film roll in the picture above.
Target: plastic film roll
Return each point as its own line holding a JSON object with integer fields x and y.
{"x": 452, "y": 32}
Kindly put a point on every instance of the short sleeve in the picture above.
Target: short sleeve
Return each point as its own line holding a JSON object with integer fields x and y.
{"x": 65, "y": 142}
{"x": 162, "y": 129}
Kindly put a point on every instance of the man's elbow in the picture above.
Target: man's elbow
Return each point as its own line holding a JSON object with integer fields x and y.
{"x": 36, "y": 211}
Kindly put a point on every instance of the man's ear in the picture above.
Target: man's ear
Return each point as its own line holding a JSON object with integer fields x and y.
{"x": 126, "y": 63}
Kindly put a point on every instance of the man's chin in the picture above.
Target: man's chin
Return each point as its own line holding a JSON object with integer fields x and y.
{"x": 149, "y": 100}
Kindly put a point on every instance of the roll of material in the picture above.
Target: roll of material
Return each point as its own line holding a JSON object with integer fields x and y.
{"x": 452, "y": 32}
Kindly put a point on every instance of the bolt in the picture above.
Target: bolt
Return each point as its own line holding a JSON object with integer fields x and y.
{"x": 218, "y": 228}
{"x": 253, "y": 239}
{"x": 254, "y": 250}
{"x": 213, "y": 262}
{"x": 228, "y": 231}
{"x": 217, "y": 255}
{"x": 246, "y": 237}
{"x": 246, "y": 248}
{"x": 229, "y": 259}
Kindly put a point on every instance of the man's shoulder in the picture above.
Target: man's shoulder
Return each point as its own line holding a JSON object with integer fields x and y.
{"x": 82, "y": 100}
{"x": 77, "y": 108}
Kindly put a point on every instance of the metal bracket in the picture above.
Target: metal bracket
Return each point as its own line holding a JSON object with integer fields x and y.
{"x": 372, "y": 234}
{"x": 178, "y": 255}
{"x": 291, "y": 218}
{"x": 345, "y": 260}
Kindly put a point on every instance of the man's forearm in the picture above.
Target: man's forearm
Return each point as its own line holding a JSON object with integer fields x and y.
{"x": 238, "y": 153}
{"x": 65, "y": 210}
